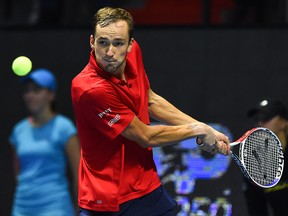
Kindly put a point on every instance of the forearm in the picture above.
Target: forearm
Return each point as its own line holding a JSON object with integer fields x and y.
{"x": 162, "y": 135}
{"x": 73, "y": 155}
{"x": 166, "y": 135}
{"x": 75, "y": 193}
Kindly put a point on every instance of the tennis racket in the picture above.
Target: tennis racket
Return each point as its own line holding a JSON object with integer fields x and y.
{"x": 261, "y": 158}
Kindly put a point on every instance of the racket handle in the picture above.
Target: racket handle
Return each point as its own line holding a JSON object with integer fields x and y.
{"x": 234, "y": 143}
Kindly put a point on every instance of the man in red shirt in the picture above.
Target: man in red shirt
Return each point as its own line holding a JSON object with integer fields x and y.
{"x": 113, "y": 103}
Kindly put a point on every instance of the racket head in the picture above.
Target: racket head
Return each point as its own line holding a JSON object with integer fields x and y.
{"x": 262, "y": 156}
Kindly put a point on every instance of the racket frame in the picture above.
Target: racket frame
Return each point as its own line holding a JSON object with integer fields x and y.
{"x": 240, "y": 161}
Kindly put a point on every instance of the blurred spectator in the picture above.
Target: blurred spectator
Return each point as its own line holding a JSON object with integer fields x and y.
{"x": 147, "y": 12}
{"x": 271, "y": 114}
{"x": 46, "y": 12}
{"x": 259, "y": 12}
{"x": 85, "y": 10}
{"x": 44, "y": 143}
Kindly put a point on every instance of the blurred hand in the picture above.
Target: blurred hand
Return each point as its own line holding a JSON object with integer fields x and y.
{"x": 223, "y": 144}
{"x": 214, "y": 141}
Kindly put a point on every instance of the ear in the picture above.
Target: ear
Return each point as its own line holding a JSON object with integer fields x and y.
{"x": 92, "y": 40}
{"x": 130, "y": 45}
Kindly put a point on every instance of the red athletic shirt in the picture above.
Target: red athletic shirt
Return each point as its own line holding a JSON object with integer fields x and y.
{"x": 112, "y": 169}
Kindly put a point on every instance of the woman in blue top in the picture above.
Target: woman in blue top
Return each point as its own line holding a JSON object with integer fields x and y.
{"x": 43, "y": 143}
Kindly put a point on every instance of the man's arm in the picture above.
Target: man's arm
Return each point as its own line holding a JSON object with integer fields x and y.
{"x": 162, "y": 135}
{"x": 160, "y": 109}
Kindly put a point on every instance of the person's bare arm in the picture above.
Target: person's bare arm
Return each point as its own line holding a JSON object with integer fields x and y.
{"x": 162, "y": 135}
{"x": 162, "y": 110}
{"x": 72, "y": 149}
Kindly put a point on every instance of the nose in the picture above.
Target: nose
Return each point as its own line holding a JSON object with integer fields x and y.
{"x": 110, "y": 51}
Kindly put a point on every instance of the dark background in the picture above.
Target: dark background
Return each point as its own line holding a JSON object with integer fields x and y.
{"x": 212, "y": 65}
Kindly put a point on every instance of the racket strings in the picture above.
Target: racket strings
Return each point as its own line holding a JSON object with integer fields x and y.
{"x": 260, "y": 155}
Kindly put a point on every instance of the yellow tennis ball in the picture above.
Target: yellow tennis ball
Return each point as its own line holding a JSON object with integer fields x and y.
{"x": 21, "y": 66}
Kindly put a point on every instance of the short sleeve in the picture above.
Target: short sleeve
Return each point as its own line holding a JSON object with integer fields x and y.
{"x": 103, "y": 110}
{"x": 66, "y": 129}
{"x": 16, "y": 130}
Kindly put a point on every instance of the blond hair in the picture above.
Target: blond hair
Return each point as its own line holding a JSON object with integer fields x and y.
{"x": 108, "y": 15}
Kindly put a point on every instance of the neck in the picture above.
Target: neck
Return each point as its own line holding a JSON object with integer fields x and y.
{"x": 42, "y": 118}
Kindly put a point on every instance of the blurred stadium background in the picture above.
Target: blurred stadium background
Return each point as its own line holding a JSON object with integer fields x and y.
{"x": 213, "y": 59}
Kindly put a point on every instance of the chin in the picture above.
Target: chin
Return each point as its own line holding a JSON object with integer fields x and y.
{"x": 33, "y": 110}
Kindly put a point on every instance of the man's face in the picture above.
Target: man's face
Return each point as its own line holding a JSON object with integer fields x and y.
{"x": 111, "y": 45}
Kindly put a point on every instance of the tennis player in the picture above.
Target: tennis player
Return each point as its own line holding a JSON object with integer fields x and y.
{"x": 113, "y": 101}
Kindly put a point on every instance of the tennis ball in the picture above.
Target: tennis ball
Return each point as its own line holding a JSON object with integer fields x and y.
{"x": 21, "y": 66}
